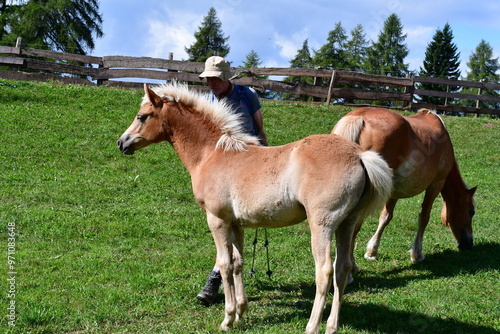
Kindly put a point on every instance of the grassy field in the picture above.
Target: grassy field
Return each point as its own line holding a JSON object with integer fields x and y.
{"x": 100, "y": 242}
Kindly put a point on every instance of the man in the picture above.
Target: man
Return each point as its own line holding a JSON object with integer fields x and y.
{"x": 245, "y": 102}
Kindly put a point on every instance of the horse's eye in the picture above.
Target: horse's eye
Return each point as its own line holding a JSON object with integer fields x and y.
{"x": 142, "y": 118}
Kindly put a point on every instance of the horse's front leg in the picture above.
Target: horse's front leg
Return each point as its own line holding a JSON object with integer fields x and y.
{"x": 241, "y": 298}
{"x": 384, "y": 220}
{"x": 223, "y": 237}
{"x": 423, "y": 219}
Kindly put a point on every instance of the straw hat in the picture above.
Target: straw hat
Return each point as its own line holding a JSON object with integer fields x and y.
{"x": 217, "y": 67}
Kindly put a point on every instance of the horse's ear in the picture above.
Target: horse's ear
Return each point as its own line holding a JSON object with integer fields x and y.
{"x": 152, "y": 97}
{"x": 472, "y": 191}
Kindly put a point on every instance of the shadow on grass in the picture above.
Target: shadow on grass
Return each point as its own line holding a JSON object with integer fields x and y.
{"x": 384, "y": 320}
{"x": 448, "y": 263}
{"x": 372, "y": 317}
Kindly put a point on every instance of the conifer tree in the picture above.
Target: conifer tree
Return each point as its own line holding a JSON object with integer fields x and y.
{"x": 253, "y": 60}
{"x": 210, "y": 40}
{"x": 62, "y": 25}
{"x": 483, "y": 67}
{"x": 333, "y": 55}
{"x": 302, "y": 59}
{"x": 441, "y": 61}
{"x": 356, "y": 49}
{"x": 386, "y": 56}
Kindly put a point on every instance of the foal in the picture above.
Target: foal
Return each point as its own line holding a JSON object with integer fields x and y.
{"x": 326, "y": 179}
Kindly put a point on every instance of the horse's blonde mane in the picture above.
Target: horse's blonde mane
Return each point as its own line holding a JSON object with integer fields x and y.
{"x": 434, "y": 112}
{"x": 220, "y": 113}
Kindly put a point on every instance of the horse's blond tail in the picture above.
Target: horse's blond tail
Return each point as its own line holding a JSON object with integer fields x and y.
{"x": 349, "y": 127}
{"x": 380, "y": 182}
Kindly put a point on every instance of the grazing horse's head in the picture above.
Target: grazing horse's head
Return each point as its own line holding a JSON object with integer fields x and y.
{"x": 146, "y": 127}
{"x": 458, "y": 217}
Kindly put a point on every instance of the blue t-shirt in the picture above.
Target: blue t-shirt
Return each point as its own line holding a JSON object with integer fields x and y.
{"x": 245, "y": 102}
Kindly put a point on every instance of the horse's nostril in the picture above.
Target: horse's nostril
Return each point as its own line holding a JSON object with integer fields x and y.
{"x": 121, "y": 143}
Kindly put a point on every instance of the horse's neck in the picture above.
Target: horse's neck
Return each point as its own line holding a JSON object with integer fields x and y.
{"x": 454, "y": 186}
{"x": 191, "y": 135}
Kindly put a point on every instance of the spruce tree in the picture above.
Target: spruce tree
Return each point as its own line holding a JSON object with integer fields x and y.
{"x": 333, "y": 55}
{"x": 253, "y": 60}
{"x": 386, "y": 56}
{"x": 62, "y": 25}
{"x": 210, "y": 40}
{"x": 441, "y": 61}
{"x": 483, "y": 67}
{"x": 302, "y": 59}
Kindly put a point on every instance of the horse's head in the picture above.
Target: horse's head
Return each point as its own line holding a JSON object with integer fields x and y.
{"x": 458, "y": 217}
{"x": 146, "y": 127}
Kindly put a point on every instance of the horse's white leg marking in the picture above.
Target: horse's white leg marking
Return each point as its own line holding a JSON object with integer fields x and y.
{"x": 384, "y": 220}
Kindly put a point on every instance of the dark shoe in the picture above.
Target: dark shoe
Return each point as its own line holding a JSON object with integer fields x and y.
{"x": 210, "y": 291}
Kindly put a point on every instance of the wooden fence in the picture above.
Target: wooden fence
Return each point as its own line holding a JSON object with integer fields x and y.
{"x": 43, "y": 65}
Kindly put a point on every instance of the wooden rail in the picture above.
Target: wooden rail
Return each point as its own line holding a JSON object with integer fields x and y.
{"x": 42, "y": 65}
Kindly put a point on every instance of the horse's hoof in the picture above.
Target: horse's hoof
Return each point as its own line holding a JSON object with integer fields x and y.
{"x": 370, "y": 257}
{"x": 416, "y": 257}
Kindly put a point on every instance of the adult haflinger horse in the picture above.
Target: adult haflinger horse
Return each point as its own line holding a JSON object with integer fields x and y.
{"x": 419, "y": 150}
{"x": 327, "y": 179}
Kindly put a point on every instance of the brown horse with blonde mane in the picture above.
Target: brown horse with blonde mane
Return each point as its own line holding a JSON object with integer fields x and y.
{"x": 326, "y": 179}
{"x": 419, "y": 150}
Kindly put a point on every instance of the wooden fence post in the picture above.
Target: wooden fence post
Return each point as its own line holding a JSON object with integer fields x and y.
{"x": 170, "y": 57}
{"x": 332, "y": 82}
{"x": 446, "y": 98}
{"x": 99, "y": 82}
{"x": 19, "y": 45}
{"x": 479, "y": 92}
{"x": 317, "y": 82}
{"x": 409, "y": 90}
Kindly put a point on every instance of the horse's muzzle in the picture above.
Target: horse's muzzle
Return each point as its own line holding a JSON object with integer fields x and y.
{"x": 125, "y": 145}
{"x": 466, "y": 243}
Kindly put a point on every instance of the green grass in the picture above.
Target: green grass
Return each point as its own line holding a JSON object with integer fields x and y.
{"x": 108, "y": 243}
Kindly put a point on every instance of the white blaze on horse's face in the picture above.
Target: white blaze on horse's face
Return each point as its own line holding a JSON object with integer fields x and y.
{"x": 144, "y": 129}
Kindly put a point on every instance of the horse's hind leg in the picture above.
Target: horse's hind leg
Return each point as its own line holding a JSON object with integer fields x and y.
{"x": 343, "y": 266}
{"x": 384, "y": 220}
{"x": 321, "y": 249}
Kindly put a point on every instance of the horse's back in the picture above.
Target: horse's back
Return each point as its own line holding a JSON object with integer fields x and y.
{"x": 273, "y": 186}
{"x": 383, "y": 131}
{"x": 417, "y": 148}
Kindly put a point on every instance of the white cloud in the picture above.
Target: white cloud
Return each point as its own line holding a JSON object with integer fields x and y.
{"x": 171, "y": 32}
{"x": 420, "y": 35}
{"x": 290, "y": 45}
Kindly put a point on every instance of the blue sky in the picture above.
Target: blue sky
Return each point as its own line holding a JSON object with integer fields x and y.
{"x": 276, "y": 29}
